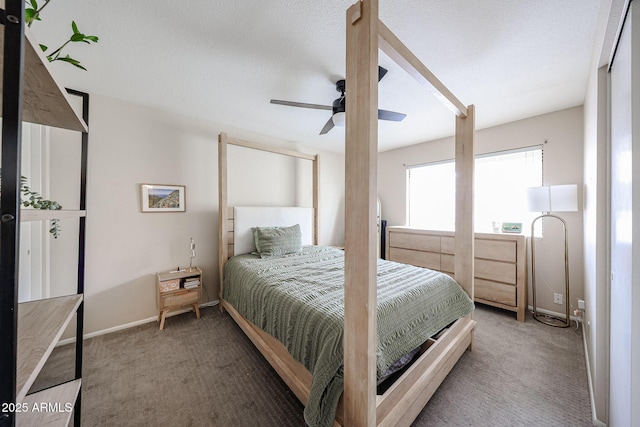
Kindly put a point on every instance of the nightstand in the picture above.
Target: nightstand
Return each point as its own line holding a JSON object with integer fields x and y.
{"x": 178, "y": 289}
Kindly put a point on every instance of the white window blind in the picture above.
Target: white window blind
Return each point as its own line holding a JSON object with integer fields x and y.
{"x": 501, "y": 180}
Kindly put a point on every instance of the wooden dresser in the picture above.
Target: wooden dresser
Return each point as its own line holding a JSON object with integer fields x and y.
{"x": 500, "y": 262}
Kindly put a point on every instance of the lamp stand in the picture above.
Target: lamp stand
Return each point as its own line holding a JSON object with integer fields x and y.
{"x": 545, "y": 318}
{"x": 192, "y": 255}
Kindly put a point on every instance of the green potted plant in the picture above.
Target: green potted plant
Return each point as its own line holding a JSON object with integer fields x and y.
{"x": 32, "y": 13}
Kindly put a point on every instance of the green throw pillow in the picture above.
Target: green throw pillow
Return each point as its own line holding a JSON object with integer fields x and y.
{"x": 277, "y": 241}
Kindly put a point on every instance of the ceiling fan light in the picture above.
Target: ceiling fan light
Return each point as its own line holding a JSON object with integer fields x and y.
{"x": 339, "y": 119}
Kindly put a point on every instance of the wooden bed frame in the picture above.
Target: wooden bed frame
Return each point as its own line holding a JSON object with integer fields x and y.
{"x": 393, "y": 407}
{"x": 403, "y": 401}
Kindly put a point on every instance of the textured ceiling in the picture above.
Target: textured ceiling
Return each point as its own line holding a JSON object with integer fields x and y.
{"x": 222, "y": 61}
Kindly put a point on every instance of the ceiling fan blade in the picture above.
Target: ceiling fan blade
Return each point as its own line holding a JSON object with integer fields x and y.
{"x": 328, "y": 126}
{"x": 381, "y": 72}
{"x": 301, "y": 104}
{"x": 391, "y": 115}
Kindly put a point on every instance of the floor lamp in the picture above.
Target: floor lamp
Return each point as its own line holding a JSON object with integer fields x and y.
{"x": 547, "y": 199}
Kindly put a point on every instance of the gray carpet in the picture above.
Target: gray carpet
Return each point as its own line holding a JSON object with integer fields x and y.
{"x": 207, "y": 373}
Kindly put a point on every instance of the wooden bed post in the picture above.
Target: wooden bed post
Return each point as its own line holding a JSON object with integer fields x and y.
{"x": 464, "y": 262}
{"x": 361, "y": 153}
{"x": 365, "y": 34}
{"x": 223, "y": 236}
{"x": 464, "y": 235}
{"x": 316, "y": 200}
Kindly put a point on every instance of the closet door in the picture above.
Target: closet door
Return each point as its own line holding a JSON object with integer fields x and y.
{"x": 624, "y": 403}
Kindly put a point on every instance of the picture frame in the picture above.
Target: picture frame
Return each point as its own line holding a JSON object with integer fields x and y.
{"x": 512, "y": 227}
{"x": 162, "y": 198}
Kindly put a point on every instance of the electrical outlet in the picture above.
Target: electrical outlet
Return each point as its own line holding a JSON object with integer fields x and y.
{"x": 557, "y": 299}
{"x": 581, "y": 304}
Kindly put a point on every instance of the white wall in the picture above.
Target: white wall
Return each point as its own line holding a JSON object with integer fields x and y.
{"x": 560, "y": 133}
{"x": 130, "y": 145}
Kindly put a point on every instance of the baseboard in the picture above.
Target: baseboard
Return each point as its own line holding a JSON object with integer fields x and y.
{"x": 210, "y": 304}
{"x": 132, "y": 324}
{"x": 555, "y": 314}
{"x": 594, "y": 416}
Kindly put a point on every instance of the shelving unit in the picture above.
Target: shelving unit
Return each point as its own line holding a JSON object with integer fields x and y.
{"x": 29, "y": 331}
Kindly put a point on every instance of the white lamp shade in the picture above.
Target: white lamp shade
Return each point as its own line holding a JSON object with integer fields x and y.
{"x": 538, "y": 199}
{"x": 564, "y": 198}
{"x": 554, "y": 198}
{"x": 339, "y": 119}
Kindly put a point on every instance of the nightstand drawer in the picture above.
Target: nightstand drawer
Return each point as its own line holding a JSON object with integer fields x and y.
{"x": 169, "y": 285}
{"x": 185, "y": 297}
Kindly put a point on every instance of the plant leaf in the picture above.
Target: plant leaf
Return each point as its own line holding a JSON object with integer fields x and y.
{"x": 77, "y": 37}
{"x": 34, "y": 4}
{"x": 71, "y": 61}
{"x": 43, "y": 47}
{"x": 74, "y": 27}
{"x": 29, "y": 15}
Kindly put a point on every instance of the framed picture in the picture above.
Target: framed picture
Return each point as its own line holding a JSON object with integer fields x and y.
{"x": 512, "y": 227}
{"x": 162, "y": 198}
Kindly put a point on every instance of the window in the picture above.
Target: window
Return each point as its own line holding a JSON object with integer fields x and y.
{"x": 501, "y": 180}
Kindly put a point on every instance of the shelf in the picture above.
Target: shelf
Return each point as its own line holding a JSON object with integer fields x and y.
{"x": 45, "y": 102}
{"x": 179, "y": 274}
{"x": 57, "y": 414}
{"x": 39, "y": 214}
{"x": 40, "y": 325}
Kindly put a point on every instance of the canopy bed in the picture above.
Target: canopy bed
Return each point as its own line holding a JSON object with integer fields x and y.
{"x": 360, "y": 405}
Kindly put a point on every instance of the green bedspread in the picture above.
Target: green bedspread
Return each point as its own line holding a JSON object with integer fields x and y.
{"x": 299, "y": 300}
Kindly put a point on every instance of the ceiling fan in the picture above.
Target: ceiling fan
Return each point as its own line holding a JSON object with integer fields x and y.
{"x": 338, "y": 108}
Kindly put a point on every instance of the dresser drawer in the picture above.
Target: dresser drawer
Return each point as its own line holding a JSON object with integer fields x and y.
{"x": 495, "y": 271}
{"x": 418, "y": 242}
{"x": 448, "y": 263}
{"x": 495, "y": 292}
{"x": 184, "y": 297}
{"x": 484, "y": 269}
{"x": 498, "y": 250}
{"x": 448, "y": 245}
{"x": 421, "y": 259}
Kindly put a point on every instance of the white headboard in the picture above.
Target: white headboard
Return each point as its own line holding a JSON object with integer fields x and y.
{"x": 245, "y": 218}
